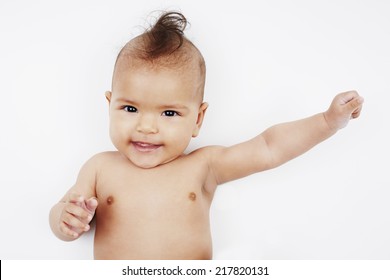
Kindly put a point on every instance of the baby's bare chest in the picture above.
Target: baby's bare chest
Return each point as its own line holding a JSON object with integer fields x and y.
{"x": 148, "y": 214}
{"x": 153, "y": 195}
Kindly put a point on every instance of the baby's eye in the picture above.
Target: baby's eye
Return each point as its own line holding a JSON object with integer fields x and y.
{"x": 130, "y": 109}
{"x": 170, "y": 113}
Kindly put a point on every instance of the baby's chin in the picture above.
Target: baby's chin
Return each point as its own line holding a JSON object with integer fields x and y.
{"x": 149, "y": 164}
{"x": 146, "y": 165}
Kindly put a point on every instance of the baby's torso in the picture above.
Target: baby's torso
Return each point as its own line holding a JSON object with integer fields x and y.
{"x": 159, "y": 213}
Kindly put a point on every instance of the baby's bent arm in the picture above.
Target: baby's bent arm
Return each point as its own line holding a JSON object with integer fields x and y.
{"x": 282, "y": 142}
{"x": 70, "y": 217}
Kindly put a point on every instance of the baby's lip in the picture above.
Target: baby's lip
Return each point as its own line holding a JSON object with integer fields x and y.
{"x": 145, "y": 147}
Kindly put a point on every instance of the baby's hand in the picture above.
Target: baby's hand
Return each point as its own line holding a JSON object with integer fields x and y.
{"x": 77, "y": 214}
{"x": 345, "y": 106}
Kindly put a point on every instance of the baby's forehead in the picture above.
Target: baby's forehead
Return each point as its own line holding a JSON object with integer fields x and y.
{"x": 128, "y": 65}
{"x": 186, "y": 63}
{"x": 135, "y": 55}
{"x": 187, "y": 80}
{"x": 183, "y": 64}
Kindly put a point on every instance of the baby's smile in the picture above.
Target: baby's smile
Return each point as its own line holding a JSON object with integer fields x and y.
{"x": 145, "y": 147}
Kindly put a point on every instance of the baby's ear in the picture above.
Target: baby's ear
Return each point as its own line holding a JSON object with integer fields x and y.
{"x": 108, "y": 96}
{"x": 202, "y": 111}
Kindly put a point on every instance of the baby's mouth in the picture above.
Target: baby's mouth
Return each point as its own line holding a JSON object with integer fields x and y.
{"x": 145, "y": 147}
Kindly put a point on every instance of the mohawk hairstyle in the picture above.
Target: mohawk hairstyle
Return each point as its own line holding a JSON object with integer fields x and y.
{"x": 163, "y": 45}
{"x": 166, "y": 36}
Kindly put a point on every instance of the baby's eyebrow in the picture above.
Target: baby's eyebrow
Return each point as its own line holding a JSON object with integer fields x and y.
{"x": 174, "y": 106}
{"x": 125, "y": 100}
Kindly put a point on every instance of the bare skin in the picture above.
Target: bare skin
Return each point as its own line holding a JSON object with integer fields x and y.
{"x": 150, "y": 200}
{"x": 161, "y": 213}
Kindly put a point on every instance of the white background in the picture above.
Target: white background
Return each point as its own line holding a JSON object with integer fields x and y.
{"x": 267, "y": 62}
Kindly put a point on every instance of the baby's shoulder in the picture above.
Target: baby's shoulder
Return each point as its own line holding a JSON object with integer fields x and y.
{"x": 103, "y": 158}
{"x": 206, "y": 152}
{"x": 204, "y": 155}
{"x": 107, "y": 155}
{"x": 92, "y": 168}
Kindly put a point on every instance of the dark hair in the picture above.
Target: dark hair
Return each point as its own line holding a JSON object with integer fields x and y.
{"x": 166, "y": 36}
{"x": 164, "y": 45}
{"x": 164, "y": 42}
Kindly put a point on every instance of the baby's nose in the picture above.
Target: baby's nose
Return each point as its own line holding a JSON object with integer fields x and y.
{"x": 147, "y": 124}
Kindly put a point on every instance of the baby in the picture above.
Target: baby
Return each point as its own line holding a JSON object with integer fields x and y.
{"x": 150, "y": 200}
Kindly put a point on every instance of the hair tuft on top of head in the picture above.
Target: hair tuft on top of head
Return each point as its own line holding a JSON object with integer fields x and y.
{"x": 163, "y": 46}
{"x": 166, "y": 35}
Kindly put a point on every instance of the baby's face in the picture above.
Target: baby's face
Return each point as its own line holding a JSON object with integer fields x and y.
{"x": 154, "y": 114}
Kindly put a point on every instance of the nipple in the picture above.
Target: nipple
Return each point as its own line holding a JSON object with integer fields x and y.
{"x": 192, "y": 196}
{"x": 110, "y": 200}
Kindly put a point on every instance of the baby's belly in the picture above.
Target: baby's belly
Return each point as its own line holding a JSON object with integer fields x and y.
{"x": 145, "y": 229}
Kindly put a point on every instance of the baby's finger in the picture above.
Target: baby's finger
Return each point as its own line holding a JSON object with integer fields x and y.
{"x": 357, "y": 112}
{"x": 77, "y": 211}
{"x": 345, "y": 97}
{"x": 91, "y": 204}
{"x": 354, "y": 105}
{"x": 65, "y": 229}
{"x": 73, "y": 222}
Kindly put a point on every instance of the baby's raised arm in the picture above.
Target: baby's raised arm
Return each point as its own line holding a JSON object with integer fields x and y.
{"x": 283, "y": 142}
{"x": 70, "y": 217}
